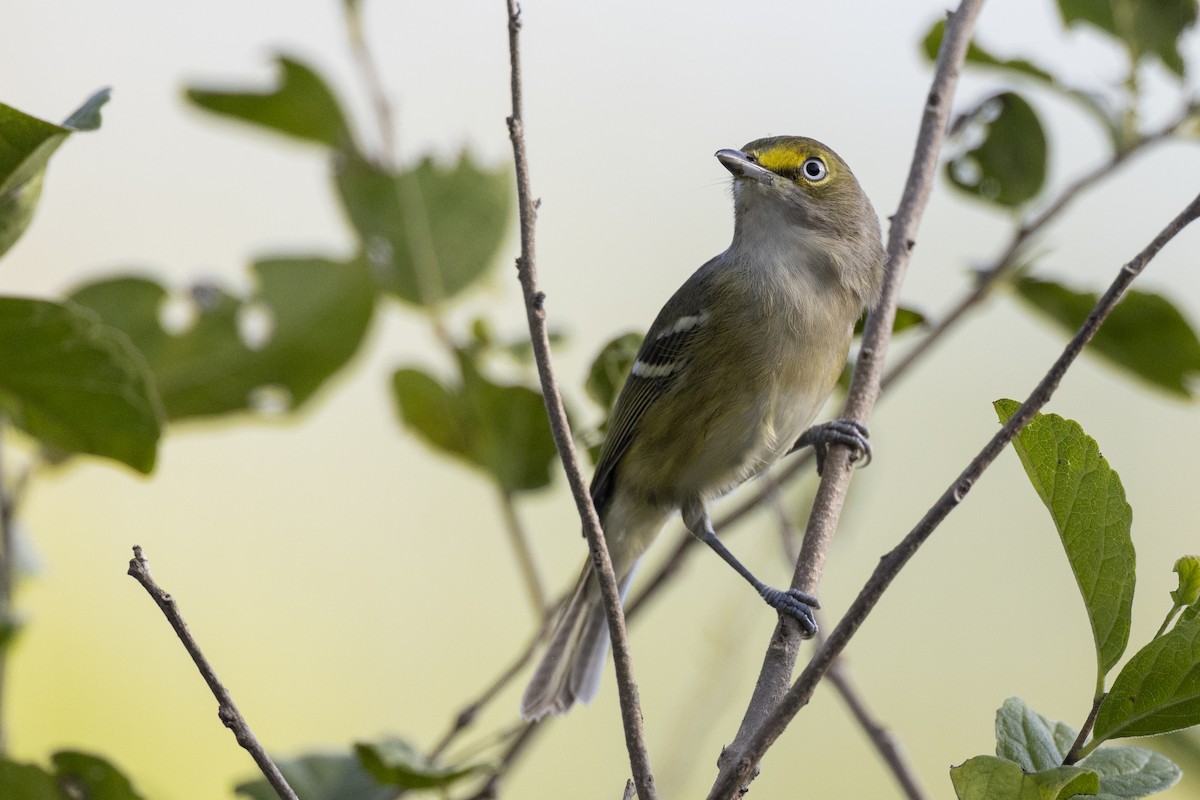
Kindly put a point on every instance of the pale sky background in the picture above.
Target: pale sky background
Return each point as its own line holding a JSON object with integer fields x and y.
{"x": 347, "y": 583}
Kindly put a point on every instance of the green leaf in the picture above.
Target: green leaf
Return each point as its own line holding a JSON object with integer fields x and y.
{"x": 1127, "y": 772}
{"x": 1158, "y": 690}
{"x": 991, "y": 778}
{"x": 1145, "y": 334}
{"x": 610, "y": 368}
{"x": 430, "y": 232}
{"x": 1008, "y": 167}
{"x": 1030, "y": 740}
{"x": 978, "y": 56}
{"x": 501, "y": 429}
{"x": 77, "y": 776}
{"x": 313, "y": 314}
{"x": 27, "y": 782}
{"x": 76, "y": 384}
{"x": 86, "y": 777}
{"x": 395, "y": 762}
{"x": 301, "y": 105}
{"x": 1088, "y": 506}
{"x": 320, "y": 777}
{"x": 906, "y": 319}
{"x": 1147, "y": 28}
{"x": 26, "y": 144}
{"x": 1188, "y": 569}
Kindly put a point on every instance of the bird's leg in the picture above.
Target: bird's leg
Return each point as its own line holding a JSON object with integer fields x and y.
{"x": 849, "y": 432}
{"x": 793, "y": 602}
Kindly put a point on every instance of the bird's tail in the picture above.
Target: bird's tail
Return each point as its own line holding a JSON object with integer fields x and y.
{"x": 573, "y": 663}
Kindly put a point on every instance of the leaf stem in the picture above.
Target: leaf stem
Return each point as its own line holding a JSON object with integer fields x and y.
{"x": 1078, "y": 751}
{"x": 519, "y": 540}
{"x": 1175, "y": 609}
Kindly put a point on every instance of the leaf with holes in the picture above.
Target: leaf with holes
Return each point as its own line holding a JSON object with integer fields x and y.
{"x": 1147, "y": 29}
{"x": 1007, "y": 167}
{"x": 430, "y": 232}
{"x": 313, "y": 314}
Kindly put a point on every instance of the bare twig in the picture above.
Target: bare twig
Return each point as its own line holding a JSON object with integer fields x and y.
{"x": 227, "y": 711}
{"x": 881, "y": 737}
{"x": 630, "y": 790}
{"x": 891, "y": 564}
{"x": 524, "y": 556}
{"x": 864, "y": 389}
{"x": 631, "y": 713}
{"x": 371, "y": 79}
{"x": 491, "y": 787}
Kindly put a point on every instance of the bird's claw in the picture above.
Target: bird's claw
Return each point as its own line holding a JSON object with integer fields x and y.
{"x": 849, "y": 432}
{"x": 796, "y": 604}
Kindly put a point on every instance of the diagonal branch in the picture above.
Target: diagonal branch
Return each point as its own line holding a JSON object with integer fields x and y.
{"x": 631, "y": 712}
{"x": 891, "y": 564}
{"x": 139, "y": 569}
{"x": 864, "y": 390}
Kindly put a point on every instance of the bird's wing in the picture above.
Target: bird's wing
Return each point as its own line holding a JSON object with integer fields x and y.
{"x": 665, "y": 353}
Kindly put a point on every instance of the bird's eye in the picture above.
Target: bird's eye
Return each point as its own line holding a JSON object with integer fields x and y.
{"x": 814, "y": 169}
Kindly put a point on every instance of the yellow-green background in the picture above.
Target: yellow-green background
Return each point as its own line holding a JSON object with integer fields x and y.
{"x": 347, "y": 583}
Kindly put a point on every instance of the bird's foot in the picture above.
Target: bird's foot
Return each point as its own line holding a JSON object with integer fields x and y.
{"x": 796, "y": 604}
{"x": 848, "y": 432}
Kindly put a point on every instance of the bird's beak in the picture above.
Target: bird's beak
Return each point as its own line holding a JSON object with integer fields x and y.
{"x": 741, "y": 166}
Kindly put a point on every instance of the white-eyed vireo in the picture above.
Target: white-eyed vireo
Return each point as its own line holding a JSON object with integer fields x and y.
{"x": 730, "y": 375}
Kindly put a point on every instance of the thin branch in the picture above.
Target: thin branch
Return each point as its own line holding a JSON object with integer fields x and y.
{"x": 1077, "y": 750}
{"x": 781, "y": 654}
{"x": 880, "y": 736}
{"x": 630, "y": 790}
{"x": 631, "y": 712}
{"x": 890, "y": 565}
{"x": 491, "y": 787}
{"x": 1006, "y": 261}
{"x": 369, "y": 71}
{"x": 524, "y": 555}
{"x": 227, "y": 711}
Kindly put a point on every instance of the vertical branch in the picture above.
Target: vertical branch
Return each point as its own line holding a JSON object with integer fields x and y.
{"x": 730, "y": 781}
{"x": 864, "y": 390}
{"x": 631, "y": 712}
{"x": 374, "y": 83}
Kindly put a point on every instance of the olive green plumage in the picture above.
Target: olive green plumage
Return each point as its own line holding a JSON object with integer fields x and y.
{"x": 731, "y": 373}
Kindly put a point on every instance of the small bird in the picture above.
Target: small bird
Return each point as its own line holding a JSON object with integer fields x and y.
{"x": 729, "y": 377}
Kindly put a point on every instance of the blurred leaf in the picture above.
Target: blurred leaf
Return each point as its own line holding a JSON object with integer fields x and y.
{"x": 1088, "y": 506}
{"x": 301, "y": 105}
{"x": 320, "y": 777}
{"x": 503, "y": 430}
{"x": 26, "y": 782}
{"x": 77, "y": 776}
{"x": 1029, "y": 739}
{"x": 906, "y": 319}
{"x": 429, "y": 232}
{"x": 312, "y": 314}
{"x": 394, "y": 762}
{"x": 76, "y": 384}
{"x": 1146, "y": 27}
{"x": 1188, "y": 569}
{"x": 87, "y": 777}
{"x": 26, "y": 144}
{"x": 977, "y": 55}
{"x": 1128, "y": 772}
{"x": 610, "y": 368}
{"x": 991, "y": 778}
{"x": 1008, "y": 167}
{"x": 1158, "y": 690}
{"x": 1145, "y": 334}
